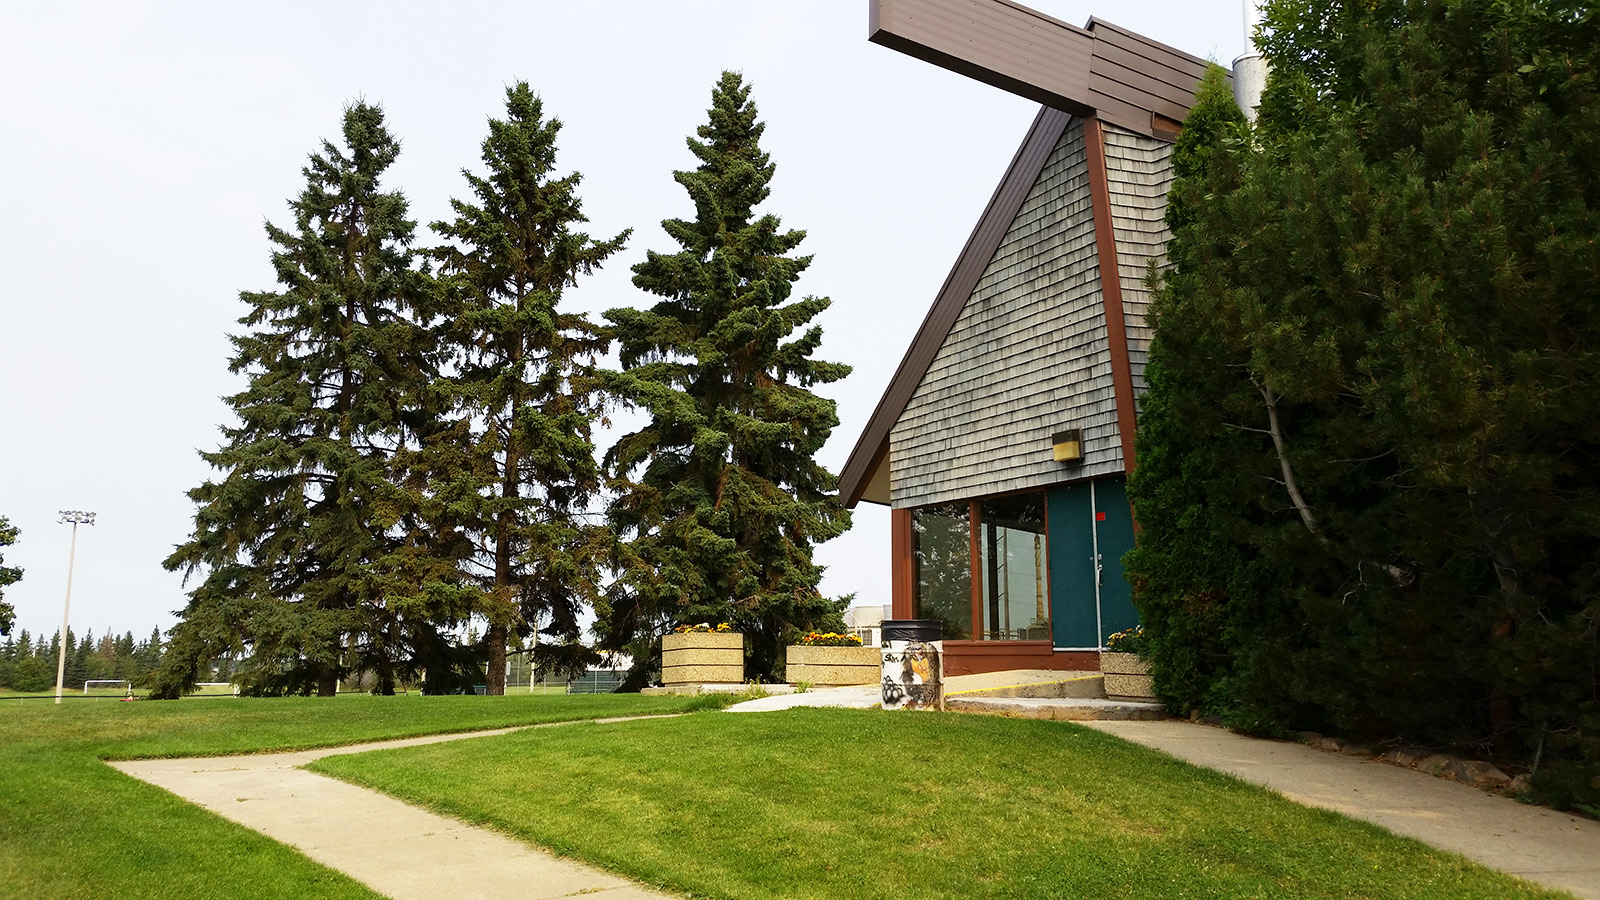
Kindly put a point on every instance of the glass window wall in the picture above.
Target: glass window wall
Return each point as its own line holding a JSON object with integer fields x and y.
{"x": 1011, "y": 545}
{"x": 941, "y": 554}
{"x": 1009, "y": 562}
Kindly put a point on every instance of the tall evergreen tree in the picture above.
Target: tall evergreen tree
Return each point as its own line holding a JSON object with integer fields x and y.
{"x": 1190, "y": 575}
{"x": 79, "y": 655}
{"x": 512, "y": 476}
{"x": 1389, "y": 290}
{"x": 720, "y": 496}
{"x": 305, "y": 539}
{"x": 8, "y": 574}
{"x": 149, "y": 653}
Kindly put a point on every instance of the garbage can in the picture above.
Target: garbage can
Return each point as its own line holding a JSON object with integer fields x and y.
{"x": 913, "y": 664}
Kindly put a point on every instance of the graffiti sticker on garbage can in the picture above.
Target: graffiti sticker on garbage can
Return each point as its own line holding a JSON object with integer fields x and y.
{"x": 913, "y": 665}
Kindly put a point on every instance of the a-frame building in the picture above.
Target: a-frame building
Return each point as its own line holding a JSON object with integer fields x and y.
{"x": 1003, "y": 442}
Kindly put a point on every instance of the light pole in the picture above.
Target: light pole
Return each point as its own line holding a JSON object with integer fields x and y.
{"x": 76, "y": 517}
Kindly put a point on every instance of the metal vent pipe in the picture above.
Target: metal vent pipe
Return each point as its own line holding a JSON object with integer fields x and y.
{"x": 1249, "y": 70}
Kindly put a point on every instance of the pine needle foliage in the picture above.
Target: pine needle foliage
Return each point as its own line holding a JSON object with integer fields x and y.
{"x": 719, "y": 496}
{"x": 1369, "y": 452}
{"x": 305, "y": 540}
{"x": 513, "y": 471}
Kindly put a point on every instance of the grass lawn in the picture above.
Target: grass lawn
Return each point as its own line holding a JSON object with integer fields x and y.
{"x": 72, "y": 827}
{"x": 852, "y": 804}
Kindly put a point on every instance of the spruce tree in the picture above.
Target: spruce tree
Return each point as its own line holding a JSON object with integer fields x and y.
{"x": 305, "y": 540}
{"x": 79, "y": 655}
{"x": 720, "y": 498}
{"x": 513, "y": 474}
{"x": 8, "y": 575}
{"x": 149, "y": 653}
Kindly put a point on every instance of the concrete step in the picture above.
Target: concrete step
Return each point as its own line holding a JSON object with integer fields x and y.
{"x": 1031, "y": 683}
{"x": 1073, "y": 709}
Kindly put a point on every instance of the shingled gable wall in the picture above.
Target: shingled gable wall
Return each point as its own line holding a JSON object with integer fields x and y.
{"x": 1028, "y": 355}
{"x": 1026, "y": 358}
{"x": 1138, "y": 173}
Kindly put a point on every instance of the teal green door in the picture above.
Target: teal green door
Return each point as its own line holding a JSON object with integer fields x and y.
{"x": 1090, "y": 527}
{"x": 1114, "y": 526}
{"x": 1070, "y": 538}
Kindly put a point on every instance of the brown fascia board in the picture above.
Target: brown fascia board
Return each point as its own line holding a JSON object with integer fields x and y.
{"x": 1002, "y": 44}
{"x": 1153, "y": 49}
{"x": 873, "y": 446}
{"x": 1143, "y": 72}
{"x": 1101, "y": 70}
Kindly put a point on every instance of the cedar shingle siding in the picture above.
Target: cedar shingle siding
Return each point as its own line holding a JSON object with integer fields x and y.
{"x": 1027, "y": 356}
{"x": 1138, "y": 172}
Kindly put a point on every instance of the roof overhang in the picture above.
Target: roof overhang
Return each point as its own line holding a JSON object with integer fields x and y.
{"x": 1100, "y": 70}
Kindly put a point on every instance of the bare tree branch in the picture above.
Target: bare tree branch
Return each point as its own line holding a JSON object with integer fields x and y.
{"x": 1293, "y": 487}
{"x": 1402, "y": 577}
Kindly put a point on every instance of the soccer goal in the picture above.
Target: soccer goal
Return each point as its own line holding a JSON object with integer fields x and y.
{"x": 215, "y": 689}
{"x": 126, "y": 685}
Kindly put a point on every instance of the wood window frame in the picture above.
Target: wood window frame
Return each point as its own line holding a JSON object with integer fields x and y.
{"x": 903, "y": 588}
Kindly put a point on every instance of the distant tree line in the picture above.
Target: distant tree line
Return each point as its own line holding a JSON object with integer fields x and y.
{"x": 414, "y": 457}
{"x": 28, "y": 664}
{"x": 1369, "y": 458}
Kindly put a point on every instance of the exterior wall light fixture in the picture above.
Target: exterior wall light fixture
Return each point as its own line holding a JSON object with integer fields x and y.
{"x": 1068, "y": 446}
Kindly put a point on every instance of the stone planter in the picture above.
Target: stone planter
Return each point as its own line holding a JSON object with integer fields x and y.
{"x": 701, "y": 657}
{"x": 1127, "y": 676}
{"x": 833, "y": 665}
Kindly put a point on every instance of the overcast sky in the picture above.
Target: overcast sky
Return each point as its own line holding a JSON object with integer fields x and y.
{"x": 144, "y": 145}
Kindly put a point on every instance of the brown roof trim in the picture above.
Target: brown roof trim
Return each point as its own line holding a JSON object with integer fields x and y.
{"x": 1179, "y": 59}
{"x": 1125, "y": 78}
{"x": 997, "y": 42}
{"x": 1105, "y": 243}
{"x": 872, "y": 447}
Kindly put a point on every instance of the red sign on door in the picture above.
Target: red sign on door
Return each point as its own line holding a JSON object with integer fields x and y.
{"x": 1099, "y": 517}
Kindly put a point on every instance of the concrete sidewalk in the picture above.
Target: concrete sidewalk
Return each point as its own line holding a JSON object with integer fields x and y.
{"x": 422, "y": 856}
{"x": 417, "y": 855}
{"x": 1549, "y": 848}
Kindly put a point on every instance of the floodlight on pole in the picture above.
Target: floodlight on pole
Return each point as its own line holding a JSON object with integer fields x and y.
{"x": 76, "y": 517}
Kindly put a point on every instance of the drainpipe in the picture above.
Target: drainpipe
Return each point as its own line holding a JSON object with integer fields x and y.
{"x": 1249, "y": 70}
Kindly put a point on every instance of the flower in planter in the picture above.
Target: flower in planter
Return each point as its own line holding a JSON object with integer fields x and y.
{"x": 721, "y": 628}
{"x": 829, "y": 639}
{"x": 1132, "y": 640}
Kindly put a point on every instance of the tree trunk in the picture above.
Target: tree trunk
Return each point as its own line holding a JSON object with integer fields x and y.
{"x": 327, "y": 682}
{"x": 385, "y": 686}
{"x": 495, "y": 680}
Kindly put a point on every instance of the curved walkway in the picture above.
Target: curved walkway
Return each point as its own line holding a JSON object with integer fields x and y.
{"x": 415, "y": 855}
{"x": 1553, "y": 849}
